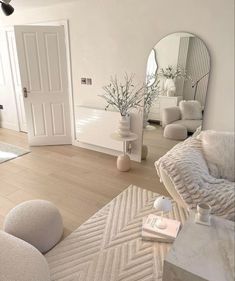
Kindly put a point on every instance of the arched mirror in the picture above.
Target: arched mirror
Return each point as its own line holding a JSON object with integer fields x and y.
{"x": 177, "y": 75}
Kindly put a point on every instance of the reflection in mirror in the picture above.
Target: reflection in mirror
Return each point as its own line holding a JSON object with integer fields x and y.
{"x": 151, "y": 67}
{"x": 178, "y": 69}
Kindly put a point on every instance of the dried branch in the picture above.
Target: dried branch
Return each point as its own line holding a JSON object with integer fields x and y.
{"x": 123, "y": 97}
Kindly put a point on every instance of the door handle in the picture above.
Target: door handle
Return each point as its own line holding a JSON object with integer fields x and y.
{"x": 25, "y": 92}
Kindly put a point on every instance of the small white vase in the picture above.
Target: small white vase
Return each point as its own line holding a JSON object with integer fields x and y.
{"x": 169, "y": 87}
{"x": 124, "y": 126}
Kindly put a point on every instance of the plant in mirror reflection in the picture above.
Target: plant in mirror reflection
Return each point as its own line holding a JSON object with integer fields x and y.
{"x": 173, "y": 72}
{"x": 151, "y": 93}
{"x": 123, "y": 96}
{"x": 152, "y": 90}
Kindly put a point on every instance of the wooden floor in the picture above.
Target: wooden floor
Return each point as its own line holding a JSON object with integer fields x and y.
{"x": 78, "y": 181}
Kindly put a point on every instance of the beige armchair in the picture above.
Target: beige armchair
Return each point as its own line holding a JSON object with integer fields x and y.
{"x": 190, "y": 118}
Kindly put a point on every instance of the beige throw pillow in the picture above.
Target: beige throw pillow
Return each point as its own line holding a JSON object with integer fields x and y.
{"x": 218, "y": 150}
{"x": 190, "y": 110}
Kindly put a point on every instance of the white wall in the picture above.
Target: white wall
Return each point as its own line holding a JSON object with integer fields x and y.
{"x": 8, "y": 116}
{"x": 111, "y": 36}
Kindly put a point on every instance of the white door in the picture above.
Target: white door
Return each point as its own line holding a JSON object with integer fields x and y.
{"x": 17, "y": 82}
{"x": 43, "y": 70}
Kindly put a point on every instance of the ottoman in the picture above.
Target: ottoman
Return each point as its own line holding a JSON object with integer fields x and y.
{"x": 37, "y": 222}
{"x": 175, "y": 132}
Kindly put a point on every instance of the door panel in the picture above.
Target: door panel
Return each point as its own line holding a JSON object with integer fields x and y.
{"x": 33, "y": 68}
{"x": 43, "y": 70}
{"x": 53, "y": 63}
{"x": 58, "y": 119}
{"x": 38, "y": 112}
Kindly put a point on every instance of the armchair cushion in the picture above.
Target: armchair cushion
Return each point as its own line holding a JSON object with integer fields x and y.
{"x": 170, "y": 114}
{"x": 218, "y": 150}
{"x": 190, "y": 110}
{"x": 190, "y": 125}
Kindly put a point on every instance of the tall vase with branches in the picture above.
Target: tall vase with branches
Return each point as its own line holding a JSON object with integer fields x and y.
{"x": 124, "y": 97}
{"x": 170, "y": 74}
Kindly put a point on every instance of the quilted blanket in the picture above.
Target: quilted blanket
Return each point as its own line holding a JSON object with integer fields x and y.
{"x": 187, "y": 168}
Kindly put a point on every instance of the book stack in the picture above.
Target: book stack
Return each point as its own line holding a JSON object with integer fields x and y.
{"x": 150, "y": 231}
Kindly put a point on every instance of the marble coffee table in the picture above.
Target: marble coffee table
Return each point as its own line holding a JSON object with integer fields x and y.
{"x": 202, "y": 253}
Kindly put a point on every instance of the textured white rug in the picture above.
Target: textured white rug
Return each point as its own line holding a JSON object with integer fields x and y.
{"x": 8, "y": 151}
{"x": 108, "y": 247}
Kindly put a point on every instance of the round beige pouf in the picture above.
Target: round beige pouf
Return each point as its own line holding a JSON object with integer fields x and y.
{"x": 21, "y": 261}
{"x": 37, "y": 222}
{"x": 175, "y": 132}
{"x": 123, "y": 163}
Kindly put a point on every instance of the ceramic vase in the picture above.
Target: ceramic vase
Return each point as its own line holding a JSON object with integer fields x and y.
{"x": 123, "y": 163}
{"x": 169, "y": 87}
{"x": 124, "y": 126}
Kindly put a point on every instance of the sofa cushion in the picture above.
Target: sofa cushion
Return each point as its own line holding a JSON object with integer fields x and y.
{"x": 218, "y": 150}
{"x": 190, "y": 110}
{"x": 19, "y": 261}
{"x": 191, "y": 125}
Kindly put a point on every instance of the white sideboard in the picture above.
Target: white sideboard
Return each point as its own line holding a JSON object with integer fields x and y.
{"x": 161, "y": 103}
{"x": 94, "y": 126}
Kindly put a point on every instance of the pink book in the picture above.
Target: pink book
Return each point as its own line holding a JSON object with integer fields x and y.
{"x": 171, "y": 231}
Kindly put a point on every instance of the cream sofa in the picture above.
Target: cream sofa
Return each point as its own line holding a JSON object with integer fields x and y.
{"x": 186, "y": 175}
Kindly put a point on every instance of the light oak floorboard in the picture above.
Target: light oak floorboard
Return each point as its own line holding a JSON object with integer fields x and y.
{"x": 78, "y": 181}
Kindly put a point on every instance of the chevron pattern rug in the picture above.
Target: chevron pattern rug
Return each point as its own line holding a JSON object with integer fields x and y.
{"x": 9, "y": 151}
{"x": 108, "y": 247}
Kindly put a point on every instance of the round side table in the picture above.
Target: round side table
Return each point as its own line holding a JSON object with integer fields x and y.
{"x": 124, "y": 161}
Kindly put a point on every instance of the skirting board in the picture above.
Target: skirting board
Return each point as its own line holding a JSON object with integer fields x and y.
{"x": 10, "y": 126}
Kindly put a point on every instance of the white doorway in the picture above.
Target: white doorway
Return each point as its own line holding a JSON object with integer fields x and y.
{"x": 22, "y": 123}
{"x": 38, "y": 58}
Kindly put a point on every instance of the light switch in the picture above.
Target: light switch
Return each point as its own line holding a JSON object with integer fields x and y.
{"x": 83, "y": 81}
{"x": 89, "y": 81}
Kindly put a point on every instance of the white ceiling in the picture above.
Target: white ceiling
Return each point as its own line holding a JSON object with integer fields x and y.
{"x": 35, "y": 3}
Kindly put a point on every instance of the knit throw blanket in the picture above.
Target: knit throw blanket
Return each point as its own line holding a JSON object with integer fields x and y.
{"x": 187, "y": 168}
